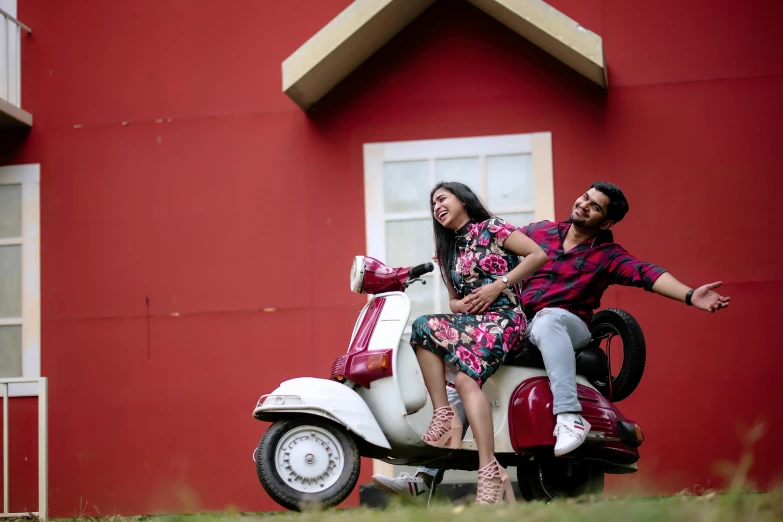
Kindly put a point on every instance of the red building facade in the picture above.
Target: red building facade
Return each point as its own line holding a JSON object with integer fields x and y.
{"x": 197, "y": 227}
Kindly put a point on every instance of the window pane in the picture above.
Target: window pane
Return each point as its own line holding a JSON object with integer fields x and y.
{"x": 10, "y": 211}
{"x": 409, "y": 243}
{"x": 464, "y": 170}
{"x": 406, "y": 186}
{"x": 10, "y": 351}
{"x": 518, "y": 219}
{"x": 11, "y": 281}
{"x": 510, "y": 182}
{"x": 422, "y": 299}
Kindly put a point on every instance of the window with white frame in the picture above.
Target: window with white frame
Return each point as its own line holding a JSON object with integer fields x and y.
{"x": 512, "y": 174}
{"x": 20, "y": 295}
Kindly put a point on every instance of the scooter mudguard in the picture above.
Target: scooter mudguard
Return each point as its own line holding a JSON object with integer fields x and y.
{"x": 325, "y": 398}
{"x": 612, "y": 438}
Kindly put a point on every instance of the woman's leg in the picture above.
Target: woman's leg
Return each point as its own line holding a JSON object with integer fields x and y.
{"x": 493, "y": 482}
{"x": 479, "y": 415}
{"x": 433, "y": 371}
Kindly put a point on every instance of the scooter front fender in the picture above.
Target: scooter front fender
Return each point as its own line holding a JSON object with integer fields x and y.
{"x": 325, "y": 398}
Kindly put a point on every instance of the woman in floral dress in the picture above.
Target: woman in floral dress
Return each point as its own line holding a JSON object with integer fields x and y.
{"x": 478, "y": 258}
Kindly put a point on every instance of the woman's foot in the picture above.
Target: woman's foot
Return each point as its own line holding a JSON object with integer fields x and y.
{"x": 494, "y": 486}
{"x": 445, "y": 429}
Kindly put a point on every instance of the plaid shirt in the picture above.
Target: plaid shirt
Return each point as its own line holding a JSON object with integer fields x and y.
{"x": 576, "y": 280}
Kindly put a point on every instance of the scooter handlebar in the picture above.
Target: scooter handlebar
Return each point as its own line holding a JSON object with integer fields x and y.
{"x": 420, "y": 270}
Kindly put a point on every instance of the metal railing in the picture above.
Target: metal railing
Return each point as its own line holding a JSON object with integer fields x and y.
{"x": 43, "y": 447}
{"x": 10, "y": 58}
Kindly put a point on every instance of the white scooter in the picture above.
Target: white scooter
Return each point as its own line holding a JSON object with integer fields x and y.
{"x": 376, "y": 405}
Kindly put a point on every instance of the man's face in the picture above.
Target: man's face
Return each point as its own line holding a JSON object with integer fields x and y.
{"x": 589, "y": 210}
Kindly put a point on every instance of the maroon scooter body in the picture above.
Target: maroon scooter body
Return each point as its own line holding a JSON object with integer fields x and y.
{"x": 613, "y": 438}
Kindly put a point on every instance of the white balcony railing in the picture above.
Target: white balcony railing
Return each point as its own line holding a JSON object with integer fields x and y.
{"x": 11, "y": 112}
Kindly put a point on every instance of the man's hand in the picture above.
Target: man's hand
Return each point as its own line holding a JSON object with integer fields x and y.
{"x": 483, "y": 297}
{"x": 704, "y": 298}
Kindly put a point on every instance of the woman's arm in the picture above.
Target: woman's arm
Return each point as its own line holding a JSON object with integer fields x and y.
{"x": 519, "y": 244}
{"x": 455, "y": 303}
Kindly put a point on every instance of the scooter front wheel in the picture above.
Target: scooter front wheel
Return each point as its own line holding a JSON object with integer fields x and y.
{"x": 307, "y": 462}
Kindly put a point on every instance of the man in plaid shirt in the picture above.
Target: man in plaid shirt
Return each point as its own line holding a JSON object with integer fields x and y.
{"x": 562, "y": 295}
{"x": 560, "y": 299}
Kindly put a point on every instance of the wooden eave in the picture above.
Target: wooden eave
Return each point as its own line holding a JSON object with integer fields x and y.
{"x": 13, "y": 116}
{"x": 365, "y": 26}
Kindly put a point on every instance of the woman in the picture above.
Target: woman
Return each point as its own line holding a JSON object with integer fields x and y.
{"x": 477, "y": 254}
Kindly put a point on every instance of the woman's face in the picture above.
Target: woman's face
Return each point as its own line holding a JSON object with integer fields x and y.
{"x": 448, "y": 210}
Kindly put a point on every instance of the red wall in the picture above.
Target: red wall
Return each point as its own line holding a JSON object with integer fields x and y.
{"x": 221, "y": 198}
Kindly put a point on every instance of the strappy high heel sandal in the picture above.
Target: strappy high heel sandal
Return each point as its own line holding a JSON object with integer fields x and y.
{"x": 494, "y": 485}
{"x": 445, "y": 429}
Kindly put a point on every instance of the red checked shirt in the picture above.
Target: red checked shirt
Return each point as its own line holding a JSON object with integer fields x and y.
{"x": 576, "y": 280}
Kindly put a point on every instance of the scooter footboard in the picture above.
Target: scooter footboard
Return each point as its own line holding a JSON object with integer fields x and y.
{"x": 324, "y": 398}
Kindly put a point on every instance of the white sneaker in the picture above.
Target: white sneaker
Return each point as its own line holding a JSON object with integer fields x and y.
{"x": 411, "y": 488}
{"x": 571, "y": 431}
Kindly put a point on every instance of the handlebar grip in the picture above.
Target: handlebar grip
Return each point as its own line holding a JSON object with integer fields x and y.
{"x": 419, "y": 270}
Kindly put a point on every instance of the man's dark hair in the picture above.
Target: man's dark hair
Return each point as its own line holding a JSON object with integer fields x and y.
{"x": 618, "y": 205}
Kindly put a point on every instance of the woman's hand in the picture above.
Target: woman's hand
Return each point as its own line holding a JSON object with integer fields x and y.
{"x": 458, "y": 306}
{"x": 481, "y": 298}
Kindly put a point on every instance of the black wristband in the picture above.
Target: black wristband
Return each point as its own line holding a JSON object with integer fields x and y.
{"x": 688, "y": 297}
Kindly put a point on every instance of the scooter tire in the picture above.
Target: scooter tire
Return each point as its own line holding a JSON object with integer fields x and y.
{"x": 295, "y": 500}
{"x": 546, "y": 479}
{"x": 634, "y": 351}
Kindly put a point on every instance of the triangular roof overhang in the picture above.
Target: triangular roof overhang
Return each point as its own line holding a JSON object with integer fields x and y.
{"x": 366, "y": 25}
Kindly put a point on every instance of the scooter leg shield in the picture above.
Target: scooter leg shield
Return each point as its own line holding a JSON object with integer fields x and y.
{"x": 324, "y": 398}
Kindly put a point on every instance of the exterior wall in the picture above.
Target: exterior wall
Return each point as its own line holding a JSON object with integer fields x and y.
{"x": 174, "y": 170}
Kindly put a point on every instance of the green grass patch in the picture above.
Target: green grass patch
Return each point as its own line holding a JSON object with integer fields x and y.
{"x": 708, "y": 508}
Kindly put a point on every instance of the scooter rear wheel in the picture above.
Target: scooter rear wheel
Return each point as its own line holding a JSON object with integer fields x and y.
{"x": 307, "y": 463}
{"x": 550, "y": 478}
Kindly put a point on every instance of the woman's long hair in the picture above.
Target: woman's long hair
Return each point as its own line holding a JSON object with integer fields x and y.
{"x": 445, "y": 238}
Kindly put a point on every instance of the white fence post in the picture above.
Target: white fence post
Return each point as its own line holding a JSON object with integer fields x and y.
{"x": 43, "y": 447}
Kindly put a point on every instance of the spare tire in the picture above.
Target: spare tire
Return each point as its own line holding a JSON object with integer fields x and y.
{"x": 620, "y": 322}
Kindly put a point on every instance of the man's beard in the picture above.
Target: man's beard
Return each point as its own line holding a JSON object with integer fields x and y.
{"x": 581, "y": 222}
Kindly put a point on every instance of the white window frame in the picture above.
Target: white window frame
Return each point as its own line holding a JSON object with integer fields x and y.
{"x": 538, "y": 145}
{"x": 28, "y": 176}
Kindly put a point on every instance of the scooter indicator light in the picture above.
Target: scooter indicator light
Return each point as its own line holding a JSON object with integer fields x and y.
{"x": 378, "y": 362}
{"x": 639, "y": 436}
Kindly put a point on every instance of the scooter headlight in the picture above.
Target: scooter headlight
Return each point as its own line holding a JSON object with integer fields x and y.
{"x": 357, "y": 274}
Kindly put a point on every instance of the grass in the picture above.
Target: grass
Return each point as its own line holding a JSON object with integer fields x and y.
{"x": 707, "y": 508}
{"x": 739, "y": 503}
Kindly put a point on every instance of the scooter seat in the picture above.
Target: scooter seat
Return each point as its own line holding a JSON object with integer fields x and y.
{"x": 591, "y": 361}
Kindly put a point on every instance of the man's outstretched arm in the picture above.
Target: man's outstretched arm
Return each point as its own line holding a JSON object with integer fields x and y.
{"x": 625, "y": 269}
{"x": 704, "y": 297}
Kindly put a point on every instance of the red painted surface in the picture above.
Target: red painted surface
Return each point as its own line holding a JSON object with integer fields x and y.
{"x": 237, "y": 202}
{"x": 531, "y": 423}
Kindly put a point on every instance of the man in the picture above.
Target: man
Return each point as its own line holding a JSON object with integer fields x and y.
{"x": 561, "y": 297}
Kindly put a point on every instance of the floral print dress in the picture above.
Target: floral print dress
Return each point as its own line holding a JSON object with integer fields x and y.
{"x": 477, "y": 344}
